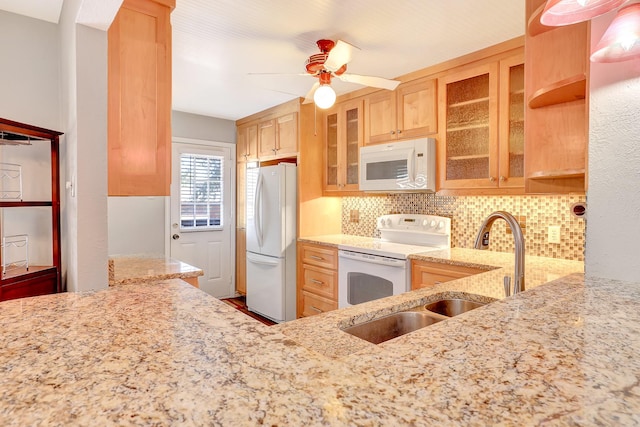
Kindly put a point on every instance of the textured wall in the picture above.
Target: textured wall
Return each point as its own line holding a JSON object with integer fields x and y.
{"x": 614, "y": 167}
{"x": 467, "y": 213}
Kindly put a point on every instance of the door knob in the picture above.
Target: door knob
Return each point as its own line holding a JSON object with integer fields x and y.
{"x": 175, "y": 236}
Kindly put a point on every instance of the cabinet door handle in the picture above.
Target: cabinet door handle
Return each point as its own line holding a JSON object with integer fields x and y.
{"x": 316, "y": 309}
{"x": 399, "y": 131}
{"x": 492, "y": 179}
{"x": 393, "y": 132}
{"x": 317, "y": 282}
{"x": 316, "y": 257}
{"x": 502, "y": 178}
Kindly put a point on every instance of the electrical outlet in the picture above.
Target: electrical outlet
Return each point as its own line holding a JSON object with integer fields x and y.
{"x": 354, "y": 215}
{"x": 554, "y": 234}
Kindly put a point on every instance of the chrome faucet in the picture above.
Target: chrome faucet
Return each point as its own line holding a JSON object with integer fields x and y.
{"x": 482, "y": 242}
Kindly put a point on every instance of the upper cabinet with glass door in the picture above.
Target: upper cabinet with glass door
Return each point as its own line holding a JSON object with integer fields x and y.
{"x": 343, "y": 126}
{"x": 482, "y": 122}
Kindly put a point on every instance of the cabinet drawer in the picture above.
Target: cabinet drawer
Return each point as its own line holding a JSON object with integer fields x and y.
{"x": 313, "y": 304}
{"x": 320, "y": 256}
{"x": 424, "y": 275}
{"x": 320, "y": 281}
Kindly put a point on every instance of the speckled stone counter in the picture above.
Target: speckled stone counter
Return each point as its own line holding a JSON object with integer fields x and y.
{"x": 322, "y": 333}
{"x": 125, "y": 269}
{"x": 165, "y": 353}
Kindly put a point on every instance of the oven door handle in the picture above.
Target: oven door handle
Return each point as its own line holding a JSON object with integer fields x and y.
{"x": 390, "y": 262}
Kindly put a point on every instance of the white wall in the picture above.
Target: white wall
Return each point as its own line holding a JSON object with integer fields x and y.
{"x": 30, "y": 75}
{"x": 84, "y": 95}
{"x": 613, "y": 197}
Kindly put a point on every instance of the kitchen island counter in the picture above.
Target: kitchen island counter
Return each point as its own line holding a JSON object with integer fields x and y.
{"x": 125, "y": 269}
{"x": 165, "y": 353}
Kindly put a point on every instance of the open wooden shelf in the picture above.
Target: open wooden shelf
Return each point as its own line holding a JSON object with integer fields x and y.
{"x": 557, "y": 174}
{"x": 567, "y": 90}
{"x": 534, "y": 25}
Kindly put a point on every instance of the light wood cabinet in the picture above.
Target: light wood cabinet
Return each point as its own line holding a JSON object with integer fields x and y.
{"x": 557, "y": 122}
{"x": 317, "y": 279}
{"x": 426, "y": 274}
{"x": 408, "y": 112}
{"x": 247, "y": 143}
{"x": 343, "y": 139}
{"x": 241, "y": 261}
{"x": 139, "y": 99}
{"x": 278, "y": 137}
{"x": 482, "y": 126}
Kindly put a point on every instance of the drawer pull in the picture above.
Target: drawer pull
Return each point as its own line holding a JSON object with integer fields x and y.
{"x": 316, "y": 309}
{"x": 317, "y": 282}
{"x": 316, "y": 257}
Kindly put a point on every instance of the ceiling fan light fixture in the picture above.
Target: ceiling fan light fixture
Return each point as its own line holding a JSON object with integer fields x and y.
{"x": 565, "y": 12}
{"x": 324, "y": 96}
{"x": 621, "y": 40}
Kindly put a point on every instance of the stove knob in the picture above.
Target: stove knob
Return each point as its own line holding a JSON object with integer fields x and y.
{"x": 381, "y": 222}
{"x": 425, "y": 223}
{"x": 389, "y": 222}
{"x": 433, "y": 223}
{"x": 440, "y": 225}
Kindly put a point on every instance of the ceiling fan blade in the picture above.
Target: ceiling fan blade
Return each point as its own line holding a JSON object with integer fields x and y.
{"x": 372, "y": 81}
{"x": 338, "y": 56}
{"x": 309, "y": 96}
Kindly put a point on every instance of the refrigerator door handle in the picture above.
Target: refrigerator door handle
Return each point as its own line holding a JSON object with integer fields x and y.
{"x": 262, "y": 261}
{"x": 257, "y": 207}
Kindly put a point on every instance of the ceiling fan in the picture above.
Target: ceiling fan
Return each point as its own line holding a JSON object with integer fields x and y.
{"x": 332, "y": 62}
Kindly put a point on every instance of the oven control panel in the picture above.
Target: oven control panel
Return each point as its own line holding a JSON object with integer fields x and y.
{"x": 419, "y": 223}
{"x": 415, "y": 229}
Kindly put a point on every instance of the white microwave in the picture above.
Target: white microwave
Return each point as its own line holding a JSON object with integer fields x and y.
{"x": 399, "y": 166}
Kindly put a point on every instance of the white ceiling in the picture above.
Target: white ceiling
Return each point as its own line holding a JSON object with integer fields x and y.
{"x": 217, "y": 44}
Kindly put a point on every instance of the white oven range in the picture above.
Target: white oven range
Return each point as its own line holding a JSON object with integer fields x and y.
{"x": 379, "y": 268}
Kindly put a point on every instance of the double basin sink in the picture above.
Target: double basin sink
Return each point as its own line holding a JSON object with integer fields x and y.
{"x": 392, "y": 326}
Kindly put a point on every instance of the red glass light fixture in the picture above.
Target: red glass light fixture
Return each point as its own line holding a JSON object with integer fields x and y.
{"x": 621, "y": 41}
{"x": 565, "y": 12}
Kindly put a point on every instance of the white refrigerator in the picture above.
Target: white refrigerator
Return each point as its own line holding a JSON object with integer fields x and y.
{"x": 271, "y": 241}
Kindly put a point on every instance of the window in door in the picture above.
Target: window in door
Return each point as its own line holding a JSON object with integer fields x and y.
{"x": 201, "y": 191}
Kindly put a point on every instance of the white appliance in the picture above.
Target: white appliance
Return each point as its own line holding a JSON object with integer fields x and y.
{"x": 271, "y": 241}
{"x": 380, "y": 268}
{"x": 399, "y": 166}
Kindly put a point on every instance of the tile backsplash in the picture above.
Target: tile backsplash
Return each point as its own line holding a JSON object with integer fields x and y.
{"x": 467, "y": 213}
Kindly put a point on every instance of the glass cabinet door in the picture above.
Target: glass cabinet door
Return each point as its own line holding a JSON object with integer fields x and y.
{"x": 343, "y": 139}
{"x": 470, "y": 119}
{"x": 331, "y": 151}
{"x": 512, "y": 122}
{"x": 353, "y": 137}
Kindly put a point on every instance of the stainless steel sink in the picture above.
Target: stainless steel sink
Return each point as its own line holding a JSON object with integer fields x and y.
{"x": 392, "y": 326}
{"x": 452, "y": 307}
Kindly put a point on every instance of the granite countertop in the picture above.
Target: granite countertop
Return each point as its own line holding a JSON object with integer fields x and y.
{"x": 125, "y": 269}
{"x": 322, "y": 333}
{"x": 166, "y": 353}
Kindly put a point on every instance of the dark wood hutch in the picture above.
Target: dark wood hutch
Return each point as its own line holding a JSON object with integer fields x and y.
{"x": 22, "y": 279}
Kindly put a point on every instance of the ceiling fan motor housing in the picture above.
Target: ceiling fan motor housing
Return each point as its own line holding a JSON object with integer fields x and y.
{"x": 315, "y": 63}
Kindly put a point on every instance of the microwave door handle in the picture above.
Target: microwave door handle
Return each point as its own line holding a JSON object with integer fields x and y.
{"x": 412, "y": 166}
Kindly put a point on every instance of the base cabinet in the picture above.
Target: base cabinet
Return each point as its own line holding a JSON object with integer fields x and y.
{"x": 318, "y": 279}
{"x": 428, "y": 274}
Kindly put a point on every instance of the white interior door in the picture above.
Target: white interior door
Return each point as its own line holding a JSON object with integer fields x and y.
{"x": 202, "y": 215}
